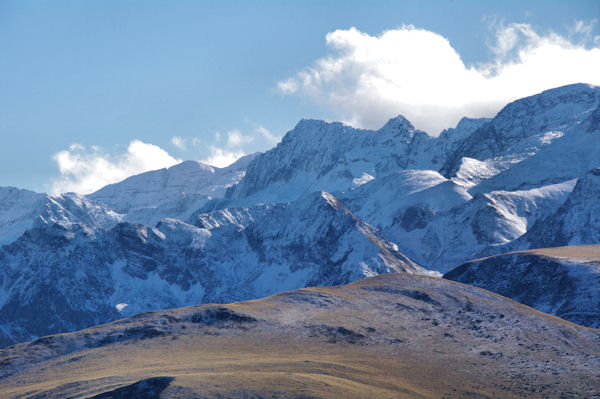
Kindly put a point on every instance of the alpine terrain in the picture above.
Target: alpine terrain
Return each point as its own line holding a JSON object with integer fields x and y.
{"x": 509, "y": 204}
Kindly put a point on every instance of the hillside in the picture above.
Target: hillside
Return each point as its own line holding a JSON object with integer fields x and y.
{"x": 563, "y": 281}
{"x": 429, "y": 338}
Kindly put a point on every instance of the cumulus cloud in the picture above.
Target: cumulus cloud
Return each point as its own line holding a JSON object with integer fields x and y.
{"x": 221, "y": 157}
{"x": 85, "y": 170}
{"x": 231, "y": 151}
{"x": 235, "y": 138}
{"x": 234, "y": 145}
{"x": 417, "y": 73}
{"x": 179, "y": 142}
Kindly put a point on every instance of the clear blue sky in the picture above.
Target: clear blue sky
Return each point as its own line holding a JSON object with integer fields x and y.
{"x": 102, "y": 73}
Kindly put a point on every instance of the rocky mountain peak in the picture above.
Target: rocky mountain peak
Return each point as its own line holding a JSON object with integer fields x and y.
{"x": 398, "y": 125}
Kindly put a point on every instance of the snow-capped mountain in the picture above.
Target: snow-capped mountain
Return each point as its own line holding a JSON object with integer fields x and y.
{"x": 334, "y": 157}
{"x": 477, "y": 187}
{"x": 577, "y": 221}
{"x": 175, "y": 192}
{"x": 328, "y": 205}
{"x": 23, "y": 209}
{"x": 18, "y": 210}
{"x": 437, "y": 222}
{"x": 58, "y": 278}
{"x": 539, "y": 140}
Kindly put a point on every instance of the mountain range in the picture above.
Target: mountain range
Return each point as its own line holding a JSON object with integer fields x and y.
{"x": 328, "y": 205}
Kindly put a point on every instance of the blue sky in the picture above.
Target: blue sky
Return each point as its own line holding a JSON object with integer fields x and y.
{"x": 91, "y": 91}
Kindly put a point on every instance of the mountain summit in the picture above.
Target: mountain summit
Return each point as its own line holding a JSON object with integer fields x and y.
{"x": 328, "y": 205}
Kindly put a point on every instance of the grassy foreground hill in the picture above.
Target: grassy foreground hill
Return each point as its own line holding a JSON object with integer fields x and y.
{"x": 394, "y": 335}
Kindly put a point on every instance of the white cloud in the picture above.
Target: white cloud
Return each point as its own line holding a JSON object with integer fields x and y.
{"x": 270, "y": 137}
{"x": 417, "y": 73}
{"x": 230, "y": 152}
{"x": 85, "y": 171}
{"x": 221, "y": 158}
{"x": 583, "y": 28}
{"x": 76, "y": 147}
{"x": 179, "y": 142}
{"x": 234, "y": 145}
{"x": 235, "y": 138}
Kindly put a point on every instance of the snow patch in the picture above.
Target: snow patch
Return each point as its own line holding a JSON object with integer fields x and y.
{"x": 359, "y": 181}
{"x": 121, "y": 306}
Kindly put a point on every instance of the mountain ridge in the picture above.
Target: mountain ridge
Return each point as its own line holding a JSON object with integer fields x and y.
{"x": 327, "y": 205}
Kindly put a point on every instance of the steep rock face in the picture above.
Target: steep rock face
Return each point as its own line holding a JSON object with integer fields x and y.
{"x": 175, "y": 192}
{"x": 437, "y": 223}
{"x": 547, "y": 127}
{"x": 317, "y": 229}
{"x": 551, "y": 110}
{"x": 431, "y": 153}
{"x": 317, "y": 155}
{"x": 568, "y": 286}
{"x": 23, "y": 209}
{"x": 503, "y": 174}
{"x": 17, "y": 212}
{"x": 272, "y": 232}
{"x": 334, "y": 157}
{"x": 60, "y": 278}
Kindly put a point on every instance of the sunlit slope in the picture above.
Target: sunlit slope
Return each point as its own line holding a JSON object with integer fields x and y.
{"x": 590, "y": 253}
{"x": 394, "y": 335}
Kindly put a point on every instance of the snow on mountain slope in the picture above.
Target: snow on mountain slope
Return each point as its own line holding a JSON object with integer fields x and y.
{"x": 381, "y": 201}
{"x": 59, "y": 278}
{"x": 333, "y": 157}
{"x": 431, "y": 153}
{"x": 146, "y": 198}
{"x": 175, "y": 192}
{"x": 505, "y": 173}
{"x": 436, "y": 221}
{"x": 23, "y": 209}
{"x": 17, "y": 212}
{"x": 511, "y": 177}
{"x": 558, "y": 282}
{"x": 567, "y": 157}
{"x": 577, "y": 221}
{"x": 557, "y": 125}
{"x": 443, "y": 238}
{"x": 317, "y": 155}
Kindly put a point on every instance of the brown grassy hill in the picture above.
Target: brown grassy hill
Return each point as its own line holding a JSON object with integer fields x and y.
{"x": 390, "y": 336}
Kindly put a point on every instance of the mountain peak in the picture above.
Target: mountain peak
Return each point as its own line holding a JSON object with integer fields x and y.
{"x": 576, "y": 98}
{"x": 398, "y": 123}
{"x": 309, "y": 124}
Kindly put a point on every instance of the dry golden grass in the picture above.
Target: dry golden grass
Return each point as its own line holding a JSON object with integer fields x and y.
{"x": 265, "y": 367}
{"x": 393, "y": 336}
{"x": 580, "y": 252}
